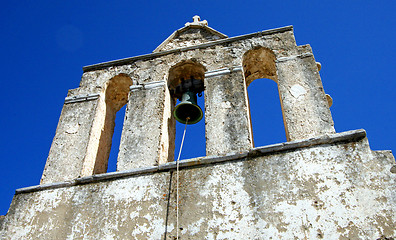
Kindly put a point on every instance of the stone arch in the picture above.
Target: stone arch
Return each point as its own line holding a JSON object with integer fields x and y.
{"x": 183, "y": 70}
{"x": 112, "y": 98}
{"x": 116, "y": 91}
{"x": 259, "y": 63}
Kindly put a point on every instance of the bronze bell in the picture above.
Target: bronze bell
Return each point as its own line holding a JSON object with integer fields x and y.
{"x": 188, "y": 109}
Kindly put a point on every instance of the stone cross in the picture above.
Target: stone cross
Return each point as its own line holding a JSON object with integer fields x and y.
{"x": 197, "y": 22}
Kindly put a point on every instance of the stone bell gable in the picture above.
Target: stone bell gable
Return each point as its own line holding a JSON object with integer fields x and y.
{"x": 194, "y": 33}
{"x": 318, "y": 185}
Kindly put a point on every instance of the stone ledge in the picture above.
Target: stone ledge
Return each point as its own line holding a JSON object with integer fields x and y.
{"x": 162, "y": 53}
{"x": 81, "y": 98}
{"x": 303, "y": 55}
{"x": 202, "y": 161}
{"x": 349, "y": 136}
{"x": 223, "y": 71}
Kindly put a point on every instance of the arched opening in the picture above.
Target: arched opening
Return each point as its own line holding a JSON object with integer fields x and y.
{"x": 266, "y": 113}
{"x": 187, "y": 75}
{"x": 259, "y": 63}
{"x": 264, "y": 103}
{"x": 116, "y": 96}
{"x": 112, "y": 99}
{"x": 115, "y": 142}
{"x": 194, "y": 142}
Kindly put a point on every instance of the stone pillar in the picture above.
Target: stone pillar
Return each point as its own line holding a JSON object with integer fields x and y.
{"x": 145, "y": 137}
{"x": 227, "y": 116}
{"x": 69, "y": 147}
{"x": 305, "y": 108}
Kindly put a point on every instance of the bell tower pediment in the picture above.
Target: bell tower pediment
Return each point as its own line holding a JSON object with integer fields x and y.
{"x": 193, "y": 33}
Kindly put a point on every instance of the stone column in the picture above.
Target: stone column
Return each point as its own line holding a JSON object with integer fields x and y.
{"x": 69, "y": 147}
{"x": 227, "y": 116}
{"x": 305, "y": 108}
{"x": 145, "y": 135}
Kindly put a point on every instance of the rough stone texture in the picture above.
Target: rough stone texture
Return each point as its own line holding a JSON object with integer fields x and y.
{"x": 306, "y": 112}
{"x": 189, "y": 36}
{"x": 82, "y": 142}
{"x": 69, "y": 146}
{"x": 227, "y": 115}
{"x": 156, "y": 67}
{"x": 259, "y": 63}
{"x": 193, "y": 33}
{"x": 106, "y": 210}
{"x": 316, "y": 193}
{"x": 111, "y": 100}
{"x": 304, "y": 103}
{"x": 140, "y": 140}
{"x": 328, "y": 191}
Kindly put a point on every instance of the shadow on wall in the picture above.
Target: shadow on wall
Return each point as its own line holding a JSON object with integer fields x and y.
{"x": 100, "y": 144}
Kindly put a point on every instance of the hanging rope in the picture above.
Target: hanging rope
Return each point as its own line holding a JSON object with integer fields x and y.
{"x": 177, "y": 180}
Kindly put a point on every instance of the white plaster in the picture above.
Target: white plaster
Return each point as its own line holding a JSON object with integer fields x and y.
{"x": 136, "y": 191}
{"x": 195, "y": 227}
{"x": 297, "y": 90}
{"x": 340, "y": 193}
{"x": 47, "y": 201}
{"x": 170, "y": 227}
{"x": 226, "y": 104}
{"x": 283, "y": 59}
{"x": 239, "y": 215}
{"x": 133, "y": 214}
{"x": 72, "y": 128}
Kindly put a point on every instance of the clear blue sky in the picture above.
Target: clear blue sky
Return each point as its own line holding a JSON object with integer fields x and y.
{"x": 45, "y": 44}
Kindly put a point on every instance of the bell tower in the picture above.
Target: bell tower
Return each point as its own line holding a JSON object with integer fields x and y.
{"x": 318, "y": 185}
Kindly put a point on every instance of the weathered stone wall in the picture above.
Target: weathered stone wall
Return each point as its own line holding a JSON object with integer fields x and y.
{"x": 227, "y": 125}
{"x": 141, "y": 133}
{"x": 68, "y": 149}
{"x": 189, "y": 37}
{"x": 305, "y": 109}
{"x": 304, "y": 105}
{"x": 325, "y": 188}
{"x": 227, "y": 115}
